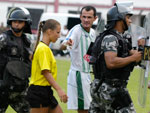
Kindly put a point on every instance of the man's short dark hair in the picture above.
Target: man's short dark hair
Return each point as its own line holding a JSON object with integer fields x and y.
{"x": 88, "y": 8}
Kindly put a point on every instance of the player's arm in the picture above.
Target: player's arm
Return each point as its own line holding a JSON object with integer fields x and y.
{"x": 71, "y": 40}
{"x": 66, "y": 43}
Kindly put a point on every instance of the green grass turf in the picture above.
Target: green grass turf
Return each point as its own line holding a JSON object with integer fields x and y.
{"x": 63, "y": 67}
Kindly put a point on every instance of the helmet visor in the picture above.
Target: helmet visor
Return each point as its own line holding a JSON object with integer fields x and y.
{"x": 125, "y": 7}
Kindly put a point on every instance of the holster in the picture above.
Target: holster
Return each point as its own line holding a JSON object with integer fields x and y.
{"x": 94, "y": 88}
{"x": 122, "y": 99}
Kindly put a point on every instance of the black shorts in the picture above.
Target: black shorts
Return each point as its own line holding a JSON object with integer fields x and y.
{"x": 41, "y": 96}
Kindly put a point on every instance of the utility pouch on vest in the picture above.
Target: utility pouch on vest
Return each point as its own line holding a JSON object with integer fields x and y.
{"x": 16, "y": 75}
{"x": 18, "y": 69}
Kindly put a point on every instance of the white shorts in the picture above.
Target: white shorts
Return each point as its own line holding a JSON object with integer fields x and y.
{"x": 78, "y": 90}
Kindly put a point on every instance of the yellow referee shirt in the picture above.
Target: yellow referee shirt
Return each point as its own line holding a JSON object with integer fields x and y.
{"x": 43, "y": 60}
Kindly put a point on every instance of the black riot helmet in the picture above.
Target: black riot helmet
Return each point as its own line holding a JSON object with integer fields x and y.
{"x": 20, "y": 14}
{"x": 116, "y": 13}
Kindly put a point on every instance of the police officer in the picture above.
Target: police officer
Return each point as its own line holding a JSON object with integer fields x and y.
{"x": 14, "y": 61}
{"x": 117, "y": 59}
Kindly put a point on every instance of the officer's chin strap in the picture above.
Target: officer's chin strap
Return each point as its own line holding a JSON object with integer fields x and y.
{"x": 126, "y": 26}
{"x": 17, "y": 30}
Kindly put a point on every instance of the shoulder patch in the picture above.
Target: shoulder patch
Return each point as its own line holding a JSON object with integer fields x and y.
{"x": 2, "y": 37}
{"x": 2, "y": 40}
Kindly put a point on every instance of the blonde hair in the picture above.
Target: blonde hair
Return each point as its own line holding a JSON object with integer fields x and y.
{"x": 44, "y": 26}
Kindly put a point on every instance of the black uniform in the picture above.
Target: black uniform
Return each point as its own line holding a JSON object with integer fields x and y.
{"x": 14, "y": 71}
{"x": 108, "y": 90}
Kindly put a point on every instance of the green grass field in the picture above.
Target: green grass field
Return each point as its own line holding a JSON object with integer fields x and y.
{"x": 63, "y": 67}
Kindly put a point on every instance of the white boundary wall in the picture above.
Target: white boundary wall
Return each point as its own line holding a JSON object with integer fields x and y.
{"x": 65, "y": 8}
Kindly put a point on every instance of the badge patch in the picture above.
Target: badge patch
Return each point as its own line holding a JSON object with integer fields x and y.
{"x": 13, "y": 51}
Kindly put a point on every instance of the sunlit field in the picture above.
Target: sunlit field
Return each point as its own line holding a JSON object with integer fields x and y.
{"x": 63, "y": 67}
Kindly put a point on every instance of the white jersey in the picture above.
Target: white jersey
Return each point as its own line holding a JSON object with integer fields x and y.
{"x": 81, "y": 41}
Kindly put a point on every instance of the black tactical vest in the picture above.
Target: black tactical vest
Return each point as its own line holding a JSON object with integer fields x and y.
{"x": 100, "y": 68}
{"x": 16, "y": 57}
{"x": 123, "y": 51}
{"x": 14, "y": 50}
